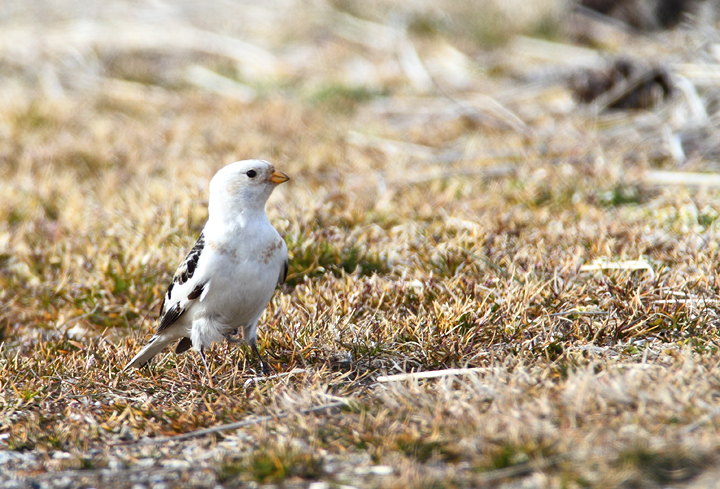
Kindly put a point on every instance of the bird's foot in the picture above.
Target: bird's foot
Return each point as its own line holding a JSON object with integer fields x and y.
{"x": 265, "y": 367}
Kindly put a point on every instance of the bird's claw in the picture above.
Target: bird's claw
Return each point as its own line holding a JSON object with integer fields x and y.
{"x": 267, "y": 370}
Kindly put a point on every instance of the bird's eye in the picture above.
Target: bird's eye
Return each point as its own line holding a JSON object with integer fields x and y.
{"x": 251, "y": 173}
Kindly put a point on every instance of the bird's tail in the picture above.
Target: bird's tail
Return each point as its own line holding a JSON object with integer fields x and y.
{"x": 155, "y": 346}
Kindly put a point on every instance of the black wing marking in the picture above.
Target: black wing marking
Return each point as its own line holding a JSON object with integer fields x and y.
{"x": 183, "y": 345}
{"x": 184, "y": 273}
{"x": 283, "y": 273}
{"x": 186, "y": 270}
{"x": 177, "y": 310}
{"x": 166, "y": 297}
{"x": 172, "y": 315}
{"x": 196, "y": 292}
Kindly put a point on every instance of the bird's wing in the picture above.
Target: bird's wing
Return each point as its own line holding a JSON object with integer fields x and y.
{"x": 283, "y": 273}
{"x": 185, "y": 288}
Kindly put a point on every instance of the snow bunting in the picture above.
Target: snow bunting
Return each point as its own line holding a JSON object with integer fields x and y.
{"x": 229, "y": 276}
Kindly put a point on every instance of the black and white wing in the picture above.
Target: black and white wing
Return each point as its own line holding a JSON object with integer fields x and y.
{"x": 188, "y": 285}
{"x": 184, "y": 288}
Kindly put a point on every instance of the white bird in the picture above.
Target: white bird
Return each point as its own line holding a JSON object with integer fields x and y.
{"x": 229, "y": 276}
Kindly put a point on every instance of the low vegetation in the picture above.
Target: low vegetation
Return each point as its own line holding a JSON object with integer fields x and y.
{"x": 492, "y": 229}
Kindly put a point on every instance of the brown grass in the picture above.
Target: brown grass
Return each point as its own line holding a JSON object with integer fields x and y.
{"x": 455, "y": 231}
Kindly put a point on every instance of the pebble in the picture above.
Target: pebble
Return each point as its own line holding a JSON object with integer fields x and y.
{"x": 319, "y": 485}
{"x": 175, "y": 464}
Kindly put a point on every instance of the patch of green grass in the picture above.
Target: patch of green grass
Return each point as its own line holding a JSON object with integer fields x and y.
{"x": 508, "y": 456}
{"x": 707, "y": 216}
{"x": 426, "y": 25}
{"x": 621, "y": 194}
{"x": 342, "y": 98}
{"x": 19, "y": 444}
{"x": 423, "y": 450}
{"x": 549, "y": 27}
{"x": 489, "y": 28}
{"x": 665, "y": 466}
{"x": 449, "y": 263}
{"x": 230, "y": 470}
{"x": 313, "y": 258}
{"x": 87, "y": 164}
{"x": 280, "y": 464}
{"x": 35, "y": 117}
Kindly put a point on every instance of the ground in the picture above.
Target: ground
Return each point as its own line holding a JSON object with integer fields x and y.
{"x": 454, "y": 207}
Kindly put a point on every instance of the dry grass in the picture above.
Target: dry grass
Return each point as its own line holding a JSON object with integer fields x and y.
{"x": 429, "y": 227}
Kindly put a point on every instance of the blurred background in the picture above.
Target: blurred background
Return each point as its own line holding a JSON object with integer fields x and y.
{"x": 404, "y": 72}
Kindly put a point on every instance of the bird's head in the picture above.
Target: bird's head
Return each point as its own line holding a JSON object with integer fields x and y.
{"x": 243, "y": 186}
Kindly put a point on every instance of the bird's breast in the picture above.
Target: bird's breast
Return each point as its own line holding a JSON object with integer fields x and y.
{"x": 224, "y": 250}
{"x": 269, "y": 254}
{"x": 242, "y": 280}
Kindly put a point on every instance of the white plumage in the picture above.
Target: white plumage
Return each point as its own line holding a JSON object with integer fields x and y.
{"x": 229, "y": 276}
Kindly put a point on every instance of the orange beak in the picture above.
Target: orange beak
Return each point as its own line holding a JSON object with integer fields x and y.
{"x": 278, "y": 177}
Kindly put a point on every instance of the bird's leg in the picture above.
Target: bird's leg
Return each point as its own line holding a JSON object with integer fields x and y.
{"x": 264, "y": 366}
{"x": 207, "y": 369}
